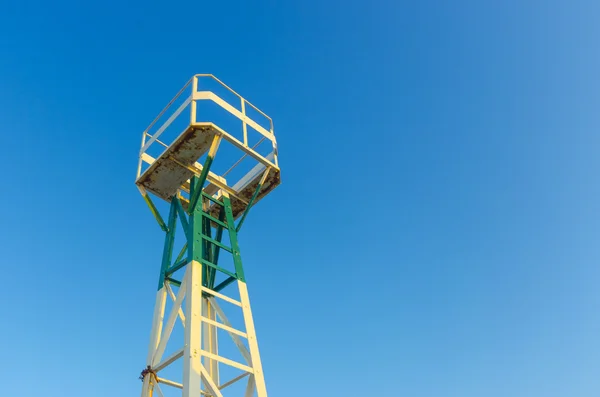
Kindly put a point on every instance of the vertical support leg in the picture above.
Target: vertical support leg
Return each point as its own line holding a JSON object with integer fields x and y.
{"x": 258, "y": 375}
{"x": 192, "y": 364}
{"x": 157, "y": 323}
{"x": 155, "y": 334}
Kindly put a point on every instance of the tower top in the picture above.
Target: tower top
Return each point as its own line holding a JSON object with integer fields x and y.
{"x": 204, "y": 119}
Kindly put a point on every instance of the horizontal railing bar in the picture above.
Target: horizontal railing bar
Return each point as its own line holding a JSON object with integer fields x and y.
{"x": 232, "y": 91}
{"x": 211, "y": 96}
{"x": 167, "y": 123}
{"x": 244, "y": 156}
{"x": 168, "y": 105}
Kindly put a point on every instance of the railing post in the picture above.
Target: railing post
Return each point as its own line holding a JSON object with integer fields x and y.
{"x": 139, "y": 170}
{"x": 193, "y": 104}
{"x": 244, "y": 122}
{"x": 275, "y": 154}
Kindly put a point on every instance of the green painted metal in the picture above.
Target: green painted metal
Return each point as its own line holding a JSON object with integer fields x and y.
{"x": 216, "y": 248}
{"x": 217, "y": 243}
{"x": 173, "y": 281}
{"x": 155, "y": 212}
{"x": 213, "y": 199}
{"x": 237, "y": 260}
{"x": 224, "y": 283}
{"x": 183, "y": 217}
{"x": 215, "y": 220}
{"x": 176, "y": 266}
{"x": 210, "y": 264}
{"x": 200, "y": 245}
{"x": 197, "y": 192}
{"x": 206, "y": 247}
{"x": 195, "y": 241}
{"x": 168, "y": 248}
{"x": 256, "y": 191}
{"x": 181, "y": 253}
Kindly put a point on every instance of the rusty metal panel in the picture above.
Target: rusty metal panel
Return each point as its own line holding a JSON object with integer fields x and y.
{"x": 168, "y": 173}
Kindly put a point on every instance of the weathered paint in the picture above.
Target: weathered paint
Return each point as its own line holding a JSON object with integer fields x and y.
{"x": 155, "y": 212}
{"x": 165, "y": 178}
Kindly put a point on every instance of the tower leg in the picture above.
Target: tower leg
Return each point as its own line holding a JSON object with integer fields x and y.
{"x": 192, "y": 364}
{"x": 257, "y": 378}
{"x": 195, "y": 304}
{"x": 155, "y": 334}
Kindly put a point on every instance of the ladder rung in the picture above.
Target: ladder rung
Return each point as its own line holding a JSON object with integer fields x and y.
{"x": 218, "y": 244}
{"x": 210, "y": 264}
{"x": 215, "y": 220}
{"x": 214, "y": 200}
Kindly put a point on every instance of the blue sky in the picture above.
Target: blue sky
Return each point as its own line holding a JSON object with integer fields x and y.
{"x": 436, "y": 231}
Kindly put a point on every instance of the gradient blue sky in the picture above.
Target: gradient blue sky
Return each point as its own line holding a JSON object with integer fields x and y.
{"x": 436, "y": 232}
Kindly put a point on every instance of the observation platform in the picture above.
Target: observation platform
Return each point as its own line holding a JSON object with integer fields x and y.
{"x": 179, "y": 139}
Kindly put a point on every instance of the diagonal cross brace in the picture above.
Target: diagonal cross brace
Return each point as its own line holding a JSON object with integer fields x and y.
{"x": 258, "y": 188}
{"x": 153, "y": 209}
{"x": 200, "y": 183}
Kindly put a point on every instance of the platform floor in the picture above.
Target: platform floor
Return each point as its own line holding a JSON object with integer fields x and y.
{"x": 175, "y": 166}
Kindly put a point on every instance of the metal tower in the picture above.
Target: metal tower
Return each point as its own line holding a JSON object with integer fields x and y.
{"x": 211, "y": 177}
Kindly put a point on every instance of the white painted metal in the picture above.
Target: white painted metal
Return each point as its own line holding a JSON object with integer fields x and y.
{"x": 212, "y": 387}
{"x": 157, "y": 323}
{"x": 170, "y": 383}
{"x": 171, "y": 321}
{"x": 146, "y": 173}
{"x": 236, "y": 339}
{"x": 221, "y": 296}
{"x": 158, "y": 389}
{"x": 227, "y": 361}
{"x": 210, "y": 340}
{"x": 234, "y": 380}
{"x": 225, "y": 327}
{"x": 211, "y": 96}
{"x": 174, "y": 298}
{"x": 199, "y": 356}
{"x": 169, "y": 360}
{"x": 146, "y": 391}
{"x": 166, "y": 124}
{"x": 192, "y": 358}
{"x": 196, "y": 306}
{"x": 251, "y": 387}
{"x": 155, "y": 335}
{"x": 259, "y": 379}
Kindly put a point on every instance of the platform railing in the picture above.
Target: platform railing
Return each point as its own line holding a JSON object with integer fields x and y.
{"x": 189, "y": 104}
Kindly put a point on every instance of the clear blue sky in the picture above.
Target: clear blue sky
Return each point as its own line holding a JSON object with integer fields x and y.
{"x": 436, "y": 232}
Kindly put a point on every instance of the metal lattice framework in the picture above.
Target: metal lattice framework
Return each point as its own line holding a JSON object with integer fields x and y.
{"x": 208, "y": 209}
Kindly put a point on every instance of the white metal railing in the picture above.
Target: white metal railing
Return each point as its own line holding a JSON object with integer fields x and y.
{"x": 204, "y": 95}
